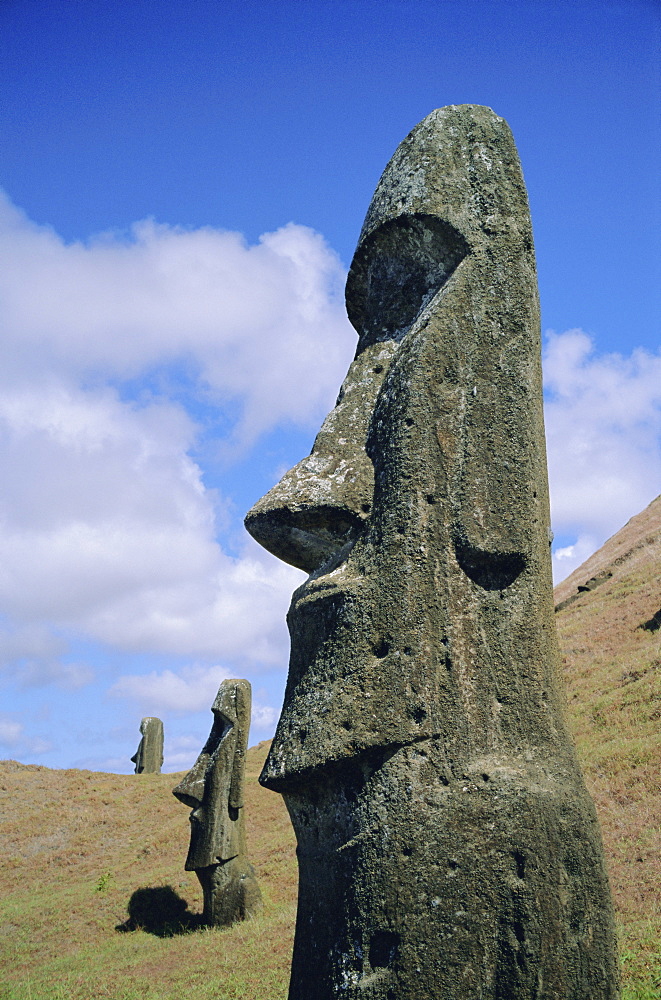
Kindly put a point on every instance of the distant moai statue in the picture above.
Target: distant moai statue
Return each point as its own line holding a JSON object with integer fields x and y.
{"x": 148, "y": 758}
{"x": 447, "y": 845}
{"x": 213, "y": 789}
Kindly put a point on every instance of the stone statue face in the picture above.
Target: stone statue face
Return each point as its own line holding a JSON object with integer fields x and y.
{"x": 421, "y": 748}
{"x": 425, "y": 491}
{"x": 322, "y": 504}
{"x": 148, "y": 758}
{"x": 213, "y": 788}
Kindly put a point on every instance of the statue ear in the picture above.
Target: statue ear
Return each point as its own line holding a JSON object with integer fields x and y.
{"x": 242, "y": 724}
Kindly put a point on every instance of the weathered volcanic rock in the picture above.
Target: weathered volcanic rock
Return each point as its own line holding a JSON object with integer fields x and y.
{"x": 213, "y": 789}
{"x": 447, "y": 846}
{"x": 148, "y": 758}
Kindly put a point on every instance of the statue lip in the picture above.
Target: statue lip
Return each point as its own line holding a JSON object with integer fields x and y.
{"x": 314, "y": 591}
{"x": 320, "y": 583}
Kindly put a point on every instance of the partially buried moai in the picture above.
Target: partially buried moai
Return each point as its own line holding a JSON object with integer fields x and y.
{"x": 148, "y": 758}
{"x": 213, "y": 789}
{"x": 447, "y": 845}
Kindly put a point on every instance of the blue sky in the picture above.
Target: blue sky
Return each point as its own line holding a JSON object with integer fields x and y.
{"x": 184, "y": 183}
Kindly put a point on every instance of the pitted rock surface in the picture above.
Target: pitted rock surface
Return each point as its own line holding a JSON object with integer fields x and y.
{"x": 148, "y": 758}
{"x": 213, "y": 789}
{"x": 447, "y": 845}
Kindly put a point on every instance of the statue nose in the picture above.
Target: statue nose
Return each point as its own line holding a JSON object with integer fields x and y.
{"x": 190, "y": 789}
{"x": 301, "y": 533}
{"x": 320, "y": 505}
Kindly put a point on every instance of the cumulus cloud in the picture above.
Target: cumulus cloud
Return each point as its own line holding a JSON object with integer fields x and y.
{"x": 114, "y": 355}
{"x": 107, "y": 529}
{"x": 260, "y": 325}
{"x": 34, "y": 643}
{"x": 233, "y": 608}
{"x": 15, "y": 740}
{"x": 11, "y": 731}
{"x": 603, "y": 428}
{"x": 264, "y": 717}
{"x": 68, "y": 676}
{"x": 180, "y": 752}
{"x": 191, "y": 690}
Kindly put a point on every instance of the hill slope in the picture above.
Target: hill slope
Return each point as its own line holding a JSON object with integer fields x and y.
{"x": 609, "y": 624}
{"x": 77, "y": 845}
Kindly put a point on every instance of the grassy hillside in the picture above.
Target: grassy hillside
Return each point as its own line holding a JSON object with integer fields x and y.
{"x": 611, "y": 645}
{"x": 79, "y": 847}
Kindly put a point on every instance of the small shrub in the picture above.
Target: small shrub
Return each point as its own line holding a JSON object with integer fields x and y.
{"x": 103, "y": 884}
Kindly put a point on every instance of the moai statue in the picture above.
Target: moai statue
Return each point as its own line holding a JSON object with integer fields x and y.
{"x": 447, "y": 845}
{"x": 148, "y": 758}
{"x": 213, "y": 789}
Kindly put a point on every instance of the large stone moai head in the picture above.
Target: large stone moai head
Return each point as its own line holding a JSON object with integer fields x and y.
{"x": 148, "y": 758}
{"x": 447, "y": 846}
{"x": 214, "y": 789}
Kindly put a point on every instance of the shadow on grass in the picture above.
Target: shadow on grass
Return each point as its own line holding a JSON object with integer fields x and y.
{"x": 160, "y": 911}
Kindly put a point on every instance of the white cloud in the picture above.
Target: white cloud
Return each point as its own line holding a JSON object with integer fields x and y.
{"x": 109, "y": 533}
{"x": 107, "y": 529}
{"x": 34, "y": 643}
{"x": 603, "y": 428}
{"x": 191, "y": 690}
{"x": 235, "y": 609}
{"x": 264, "y": 717}
{"x": 32, "y": 656}
{"x": 13, "y": 738}
{"x": 566, "y": 559}
{"x": 69, "y": 676}
{"x": 11, "y": 731}
{"x": 263, "y": 325}
{"x": 181, "y": 761}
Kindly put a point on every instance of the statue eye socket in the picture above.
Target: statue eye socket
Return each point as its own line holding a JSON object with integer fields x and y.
{"x": 395, "y": 273}
{"x": 220, "y": 728}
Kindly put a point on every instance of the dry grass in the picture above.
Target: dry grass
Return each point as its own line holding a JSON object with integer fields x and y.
{"x": 76, "y": 845}
{"x": 612, "y": 671}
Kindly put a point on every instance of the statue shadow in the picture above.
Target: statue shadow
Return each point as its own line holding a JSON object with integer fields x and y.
{"x": 160, "y": 911}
